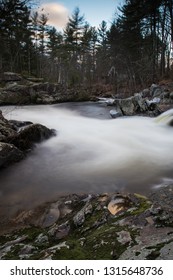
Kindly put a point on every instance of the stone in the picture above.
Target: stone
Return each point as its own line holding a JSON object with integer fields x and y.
{"x": 155, "y": 90}
{"x": 50, "y": 217}
{"x": 16, "y": 125}
{"x": 124, "y": 237}
{"x": 118, "y": 204}
{"x": 30, "y": 134}
{"x": 62, "y": 231}
{"x": 166, "y": 252}
{"x": 131, "y": 105}
{"x": 115, "y": 206}
{"x": 171, "y": 95}
{"x": 17, "y": 137}
{"x": 10, "y": 76}
{"x": 9, "y": 154}
{"x": 79, "y": 218}
{"x": 41, "y": 238}
{"x": 115, "y": 114}
{"x": 146, "y": 92}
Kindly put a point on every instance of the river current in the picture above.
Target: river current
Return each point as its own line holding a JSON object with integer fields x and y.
{"x": 91, "y": 153}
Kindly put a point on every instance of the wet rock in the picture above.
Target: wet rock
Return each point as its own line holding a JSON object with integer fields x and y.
{"x": 14, "y": 141}
{"x": 50, "y": 217}
{"x": 62, "y": 231}
{"x": 9, "y": 154}
{"x": 79, "y": 218}
{"x": 117, "y": 204}
{"x": 115, "y": 114}
{"x": 26, "y": 249}
{"x": 155, "y": 90}
{"x": 124, "y": 237}
{"x": 6, "y": 129}
{"x": 16, "y": 125}
{"x": 41, "y": 238}
{"x": 31, "y": 134}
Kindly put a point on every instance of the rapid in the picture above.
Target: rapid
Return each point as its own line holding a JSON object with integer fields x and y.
{"x": 91, "y": 153}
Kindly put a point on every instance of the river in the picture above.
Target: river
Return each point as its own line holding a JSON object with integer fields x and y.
{"x": 91, "y": 153}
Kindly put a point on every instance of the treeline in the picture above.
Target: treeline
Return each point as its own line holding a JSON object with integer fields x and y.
{"x": 134, "y": 51}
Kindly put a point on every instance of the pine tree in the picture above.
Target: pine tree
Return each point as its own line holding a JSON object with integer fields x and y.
{"x": 16, "y": 43}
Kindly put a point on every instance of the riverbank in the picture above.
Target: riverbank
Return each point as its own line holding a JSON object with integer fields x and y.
{"x": 104, "y": 226}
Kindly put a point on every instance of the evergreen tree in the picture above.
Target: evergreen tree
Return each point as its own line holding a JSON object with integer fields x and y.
{"x": 16, "y": 43}
{"x": 73, "y": 40}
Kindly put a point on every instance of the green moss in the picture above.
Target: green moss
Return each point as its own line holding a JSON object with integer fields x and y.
{"x": 100, "y": 243}
{"x": 31, "y": 233}
{"x": 144, "y": 204}
{"x": 4, "y": 239}
{"x": 74, "y": 252}
{"x": 13, "y": 254}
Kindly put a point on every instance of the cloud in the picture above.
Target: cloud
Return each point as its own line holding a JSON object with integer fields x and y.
{"x": 57, "y": 14}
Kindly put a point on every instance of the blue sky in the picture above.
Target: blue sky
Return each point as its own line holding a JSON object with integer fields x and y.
{"x": 94, "y": 10}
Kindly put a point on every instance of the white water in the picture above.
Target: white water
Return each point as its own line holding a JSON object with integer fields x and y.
{"x": 87, "y": 155}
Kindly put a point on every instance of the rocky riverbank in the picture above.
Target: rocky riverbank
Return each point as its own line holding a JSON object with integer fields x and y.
{"x": 105, "y": 226}
{"x": 151, "y": 101}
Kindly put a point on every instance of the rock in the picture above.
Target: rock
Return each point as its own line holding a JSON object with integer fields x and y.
{"x": 6, "y": 129}
{"x": 117, "y": 204}
{"x": 10, "y": 76}
{"x": 35, "y": 93}
{"x": 14, "y": 142}
{"x": 145, "y": 93}
{"x": 114, "y": 114}
{"x": 9, "y": 154}
{"x": 165, "y": 94}
{"x": 137, "y": 233}
{"x": 51, "y": 216}
{"x": 30, "y": 134}
{"x": 41, "y": 238}
{"x": 18, "y": 124}
{"x": 124, "y": 237}
{"x": 35, "y": 80}
{"x": 155, "y": 90}
{"x": 79, "y": 218}
{"x": 152, "y": 104}
{"x": 132, "y": 105}
{"x": 62, "y": 231}
{"x": 166, "y": 252}
{"x": 171, "y": 95}
{"x": 161, "y": 209}
{"x": 27, "y": 249}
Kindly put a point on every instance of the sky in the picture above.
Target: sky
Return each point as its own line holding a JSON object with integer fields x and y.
{"x": 94, "y": 10}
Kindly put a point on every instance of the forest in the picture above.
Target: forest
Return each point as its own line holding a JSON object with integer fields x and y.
{"x": 134, "y": 51}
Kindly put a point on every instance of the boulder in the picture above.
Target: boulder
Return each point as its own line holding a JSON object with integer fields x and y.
{"x": 115, "y": 114}
{"x": 17, "y": 137}
{"x": 155, "y": 90}
{"x": 9, "y": 154}
{"x": 132, "y": 105}
{"x": 6, "y": 129}
{"x": 10, "y": 77}
{"x": 30, "y": 134}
